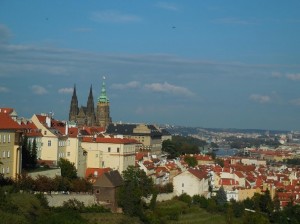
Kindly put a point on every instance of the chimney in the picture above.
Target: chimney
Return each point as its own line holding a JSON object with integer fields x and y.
{"x": 67, "y": 128}
{"x": 48, "y": 121}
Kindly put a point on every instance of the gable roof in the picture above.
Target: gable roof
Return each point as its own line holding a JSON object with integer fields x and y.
{"x": 109, "y": 179}
{"x": 198, "y": 173}
{"x": 128, "y": 129}
{"x": 7, "y": 123}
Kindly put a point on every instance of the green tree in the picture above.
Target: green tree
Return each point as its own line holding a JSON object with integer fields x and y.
{"x": 25, "y": 153}
{"x": 68, "y": 169}
{"x": 221, "y": 197}
{"x": 33, "y": 154}
{"x": 169, "y": 147}
{"x": 136, "y": 185}
{"x": 191, "y": 161}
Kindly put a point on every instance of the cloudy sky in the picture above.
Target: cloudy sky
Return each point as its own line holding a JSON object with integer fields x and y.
{"x": 226, "y": 64}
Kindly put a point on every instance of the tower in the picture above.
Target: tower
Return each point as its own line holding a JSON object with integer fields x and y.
{"x": 102, "y": 114}
{"x": 90, "y": 109}
{"x": 74, "y": 106}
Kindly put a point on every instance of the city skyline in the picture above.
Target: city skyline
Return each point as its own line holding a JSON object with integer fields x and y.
{"x": 192, "y": 63}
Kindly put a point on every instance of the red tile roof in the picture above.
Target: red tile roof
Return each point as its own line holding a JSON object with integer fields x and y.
{"x": 96, "y": 172}
{"x": 6, "y": 122}
{"x": 198, "y": 173}
{"x": 6, "y": 110}
{"x": 73, "y": 132}
{"x": 109, "y": 140}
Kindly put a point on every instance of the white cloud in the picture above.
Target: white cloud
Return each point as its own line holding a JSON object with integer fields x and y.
{"x": 38, "y": 90}
{"x": 260, "y": 98}
{"x": 168, "y": 88}
{"x": 114, "y": 17}
{"x": 167, "y": 6}
{"x": 65, "y": 90}
{"x": 129, "y": 85}
{"x": 293, "y": 76}
{"x": 295, "y": 102}
{"x": 3, "y": 89}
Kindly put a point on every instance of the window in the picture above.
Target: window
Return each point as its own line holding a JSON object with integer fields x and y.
{"x": 108, "y": 149}
{"x": 7, "y": 169}
{"x": 102, "y": 163}
{"x": 3, "y": 170}
{"x": 182, "y": 184}
{"x": 8, "y": 154}
{"x": 3, "y": 154}
{"x": 96, "y": 155}
{"x": 4, "y": 138}
{"x": 45, "y": 132}
{"x": 49, "y": 142}
{"x": 97, "y": 191}
{"x": 118, "y": 150}
{"x": 68, "y": 153}
{"x": 8, "y": 138}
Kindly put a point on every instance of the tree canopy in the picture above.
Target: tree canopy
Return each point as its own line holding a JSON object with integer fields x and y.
{"x": 136, "y": 185}
{"x": 68, "y": 169}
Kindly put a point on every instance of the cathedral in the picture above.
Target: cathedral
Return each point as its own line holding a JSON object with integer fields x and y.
{"x": 89, "y": 115}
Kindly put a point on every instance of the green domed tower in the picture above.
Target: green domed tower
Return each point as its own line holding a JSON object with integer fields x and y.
{"x": 103, "y": 115}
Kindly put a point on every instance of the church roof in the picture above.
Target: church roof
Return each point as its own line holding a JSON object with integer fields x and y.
{"x": 128, "y": 129}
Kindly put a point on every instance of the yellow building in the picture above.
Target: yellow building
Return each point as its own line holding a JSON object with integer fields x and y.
{"x": 10, "y": 146}
{"x": 115, "y": 153}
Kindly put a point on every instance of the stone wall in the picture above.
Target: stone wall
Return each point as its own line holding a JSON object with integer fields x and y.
{"x": 56, "y": 200}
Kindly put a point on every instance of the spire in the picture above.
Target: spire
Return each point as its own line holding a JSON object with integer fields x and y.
{"x": 74, "y": 92}
{"x": 90, "y": 102}
{"x": 91, "y": 92}
{"x": 103, "y": 97}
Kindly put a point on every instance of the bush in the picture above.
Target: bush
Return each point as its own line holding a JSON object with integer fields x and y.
{"x": 185, "y": 198}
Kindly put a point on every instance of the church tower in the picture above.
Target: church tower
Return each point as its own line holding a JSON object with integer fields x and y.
{"x": 74, "y": 107}
{"x": 103, "y": 115}
{"x": 90, "y": 110}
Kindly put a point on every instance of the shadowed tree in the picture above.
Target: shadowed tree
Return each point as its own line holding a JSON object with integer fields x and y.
{"x": 68, "y": 169}
{"x": 221, "y": 197}
{"x": 136, "y": 185}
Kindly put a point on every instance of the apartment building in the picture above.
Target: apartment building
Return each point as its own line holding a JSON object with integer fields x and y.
{"x": 10, "y": 146}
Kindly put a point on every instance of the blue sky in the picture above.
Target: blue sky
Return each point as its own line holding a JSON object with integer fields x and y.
{"x": 226, "y": 64}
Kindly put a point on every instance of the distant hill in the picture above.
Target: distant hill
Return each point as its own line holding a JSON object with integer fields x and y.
{"x": 186, "y": 131}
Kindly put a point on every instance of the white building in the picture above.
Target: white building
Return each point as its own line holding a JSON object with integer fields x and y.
{"x": 191, "y": 182}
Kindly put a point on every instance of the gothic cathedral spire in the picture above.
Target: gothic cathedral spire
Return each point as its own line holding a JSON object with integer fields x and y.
{"x": 74, "y": 106}
{"x": 90, "y": 109}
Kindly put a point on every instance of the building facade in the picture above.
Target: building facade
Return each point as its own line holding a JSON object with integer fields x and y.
{"x": 10, "y": 146}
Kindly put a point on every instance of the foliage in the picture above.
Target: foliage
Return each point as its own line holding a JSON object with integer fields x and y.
{"x": 180, "y": 145}
{"x": 221, "y": 197}
{"x": 219, "y": 161}
{"x": 293, "y": 161}
{"x": 68, "y": 169}
{"x": 136, "y": 185}
{"x": 240, "y": 143}
{"x": 201, "y": 201}
{"x": 167, "y": 188}
{"x": 29, "y": 153}
{"x": 169, "y": 147}
{"x": 185, "y": 198}
{"x": 191, "y": 161}
{"x": 212, "y": 155}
